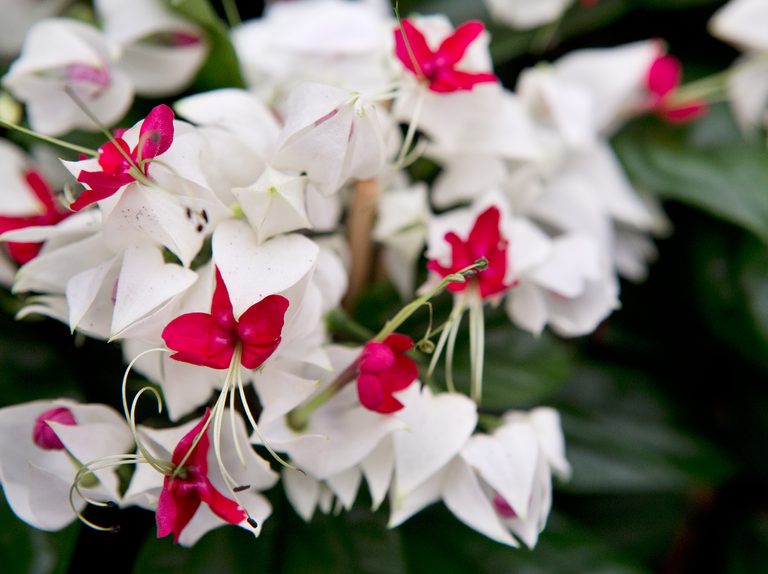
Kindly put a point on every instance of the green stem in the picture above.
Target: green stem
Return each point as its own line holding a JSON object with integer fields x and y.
{"x": 49, "y": 139}
{"x": 231, "y": 12}
{"x": 404, "y": 313}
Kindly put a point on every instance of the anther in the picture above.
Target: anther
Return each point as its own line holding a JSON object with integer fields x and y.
{"x": 205, "y": 215}
{"x": 241, "y": 488}
{"x": 252, "y": 522}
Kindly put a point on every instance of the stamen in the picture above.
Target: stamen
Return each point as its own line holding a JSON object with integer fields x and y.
{"x": 161, "y": 466}
{"x": 255, "y": 427}
{"x": 411, "y": 133}
{"x": 453, "y": 331}
{"x": 477, "y": 343}
{"x": 233, "y": 426}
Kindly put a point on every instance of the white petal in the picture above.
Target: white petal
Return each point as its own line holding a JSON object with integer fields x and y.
{"x": 742, "y": 22}
{"x": 303, "y": 492}
{"x": 437, "y": 429}
{"x": 253, "y": 271}
{"x": 84, "y": 288}
{"x": 378, "y": 468}
{"x": 280, "y": 391}
{"x": 464, "y": 496}
{"x": 403, "y": 506}
{"x": 274, "y": 204}
{"x": 145, "y": 283}
{"x": 345, "y": 486}
{"x": 507, "y": 463}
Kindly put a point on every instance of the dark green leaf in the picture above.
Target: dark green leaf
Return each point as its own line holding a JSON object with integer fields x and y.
{"x": 623, "y": 437}
{"x": 221, "y": 69}
{"x": 436, "y": 542}
{"x": 26, "y": 550}
{"x": 707, "y": 165}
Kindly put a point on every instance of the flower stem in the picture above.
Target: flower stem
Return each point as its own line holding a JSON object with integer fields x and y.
{"x": 49, "y": 139}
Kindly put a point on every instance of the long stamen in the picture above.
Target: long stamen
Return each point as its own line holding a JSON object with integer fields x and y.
{"x": 476, "y": 343}
{"x": 453, "y": 332}
{"x": 233, "y": 427}
{"x": 411, "y": 133}
{"x": 130, "y": 414}
{"x": 255, "y": 427}
{"x": 89, "y": 469}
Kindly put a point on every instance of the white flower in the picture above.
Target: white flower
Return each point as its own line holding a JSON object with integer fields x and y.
{"x": 160, "y": 51}
{"x": 335, "y": 42}
{"x": 253, "y": 472}
{"x": 19, "y": 16}
{"x": 523, "y": 14}
{"x": 744, "y": 23}
{"x": 42, "y": 447}
{"x": 60, "y": 54}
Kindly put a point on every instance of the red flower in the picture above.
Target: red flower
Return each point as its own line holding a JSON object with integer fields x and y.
{"x": 42, "y": 433}
{"x": 51, "y": 215}
{"x": 385, "y": 369}
{"x": 439, "y": 68}
{"x": 209, "y": 340}
{"x": 484, "y": 240}
{"x": 664, "y": 77}
{"x": 181, "y": 495}
{"x": 155, "y": 137}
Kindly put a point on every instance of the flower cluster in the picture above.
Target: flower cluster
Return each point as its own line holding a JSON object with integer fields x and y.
{"x": 213, "y": 237}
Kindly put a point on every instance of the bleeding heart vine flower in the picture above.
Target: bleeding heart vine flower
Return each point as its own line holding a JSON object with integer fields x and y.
{"x": 485, "y": 240}
{"x": 438, "y": 68}
{"x": 663, "y": 81}
{"x": 211, "y": 339}
{"x": 188, "y": 486}
{"x": 43, "y": 434}
{"x": 51, "y": 214}
{"x": 385, "y": 369}
{"x": 219, "y": 341}
{"x": 121, "y": 165}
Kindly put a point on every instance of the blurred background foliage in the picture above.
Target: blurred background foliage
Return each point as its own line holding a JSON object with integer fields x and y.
{"x": 665, "y": 406}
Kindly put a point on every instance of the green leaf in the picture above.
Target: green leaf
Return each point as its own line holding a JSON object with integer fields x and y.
{"x": 730, "y": 283}
{"x": 26, "y": 550}
{"x": 436, "y": 541}
{"x": 226, "y": 550}
{"x": 622, "y": 437}
{"x": 357, "y": 541}
{"x": 221, "y": 69}
{"x": 707, "y": 165}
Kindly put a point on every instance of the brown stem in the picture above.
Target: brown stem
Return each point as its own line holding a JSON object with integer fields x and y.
{"x": 360, "y": 222}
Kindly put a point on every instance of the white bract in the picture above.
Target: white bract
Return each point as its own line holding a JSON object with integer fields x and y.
{"x": 37, "y": 472}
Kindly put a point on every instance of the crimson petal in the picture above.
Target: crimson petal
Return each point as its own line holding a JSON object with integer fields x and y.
{"x": 259, "y": 329}
{"x": 156, "y": 134}
{"x": 100, "y": 186}
{"x": 419, "y": 49}
{"x": 455, "y": 46}
{"x": 198, "y": 339}
{"x": 113, "y": 159}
